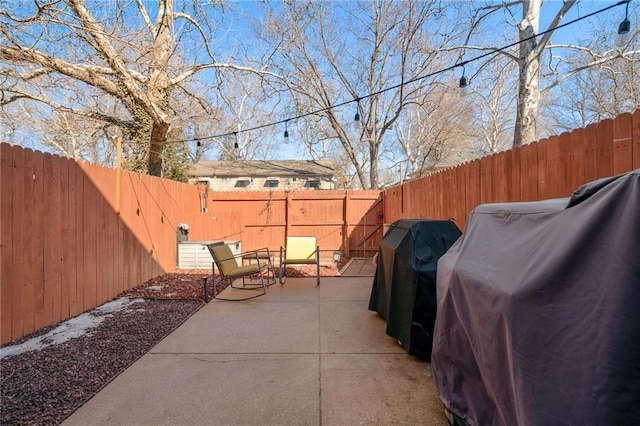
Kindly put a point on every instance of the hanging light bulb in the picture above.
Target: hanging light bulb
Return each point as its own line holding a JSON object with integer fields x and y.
{"x": 464, "y": 83}
{"x": 356, "y": 117}
{"x": 235, "y": 145}
{"x": 624, "y": 29}
{"x": 286, "y": 131}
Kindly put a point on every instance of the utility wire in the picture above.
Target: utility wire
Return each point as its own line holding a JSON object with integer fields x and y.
{"x": 397, "y": 86}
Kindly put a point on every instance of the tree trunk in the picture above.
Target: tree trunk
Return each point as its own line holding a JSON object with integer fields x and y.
{"x": 159, "y": 83}
{"x": 528, "y": 84}
{"x": 373, "y": 171}
{"x": 156, "y": 147}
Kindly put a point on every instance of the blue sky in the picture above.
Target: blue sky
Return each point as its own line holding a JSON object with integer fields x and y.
{"x": 240, "y": 15}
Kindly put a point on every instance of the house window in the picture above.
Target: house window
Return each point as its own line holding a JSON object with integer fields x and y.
{"x": 271, "y": 182}
{"x": 243, "y": 182}
{"x": 313, "y": 183}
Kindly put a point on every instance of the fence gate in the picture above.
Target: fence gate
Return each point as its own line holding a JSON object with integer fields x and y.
{"x": 365, "y": 237}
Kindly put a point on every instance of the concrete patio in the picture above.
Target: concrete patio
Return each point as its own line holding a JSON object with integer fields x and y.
{"x": 301, "y": 355}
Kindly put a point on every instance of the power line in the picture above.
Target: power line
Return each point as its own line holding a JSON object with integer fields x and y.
{"x": 404, "y": 83}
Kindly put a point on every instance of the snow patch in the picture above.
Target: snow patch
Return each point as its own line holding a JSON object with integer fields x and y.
{"x": 70, "y": 329}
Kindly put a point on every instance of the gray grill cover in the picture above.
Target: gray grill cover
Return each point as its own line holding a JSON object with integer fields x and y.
{"x": 539, "y": 311}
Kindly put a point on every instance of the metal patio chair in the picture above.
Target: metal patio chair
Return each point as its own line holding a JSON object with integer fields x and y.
{"x": 231, "y": 268}
{"x": 300, "y": 251}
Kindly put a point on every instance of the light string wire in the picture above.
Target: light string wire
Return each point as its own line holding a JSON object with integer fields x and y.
{"x": 397, "y": 86}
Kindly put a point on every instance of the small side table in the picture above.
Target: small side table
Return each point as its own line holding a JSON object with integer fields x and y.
{"x": 262, "y": 256}
{"x": 252, "y": 256}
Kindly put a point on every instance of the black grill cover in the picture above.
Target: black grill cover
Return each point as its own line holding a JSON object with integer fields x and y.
{"x": 404, "y": 287}
{"x": 539, "y": 311}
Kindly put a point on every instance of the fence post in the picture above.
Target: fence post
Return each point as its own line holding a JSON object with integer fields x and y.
{"x": 346, "y": 225}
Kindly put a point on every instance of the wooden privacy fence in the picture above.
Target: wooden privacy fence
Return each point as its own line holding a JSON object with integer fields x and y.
{"x": 69, "y": 241}
{"x": 65, "y": 250}
{"x": 348, "y": 221}
{"x": 550, "y": 168}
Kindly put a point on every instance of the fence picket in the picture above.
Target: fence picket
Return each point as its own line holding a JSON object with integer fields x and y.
{"x": 635, "y": 134}
{"x": 577, "y": 158}
{"x": 51, "y": 244}
{"x": 622, "y": 143}
{"x": 604, "y": 152}
{"x": 67, "y": 279}
{"x": 7, "y": 246}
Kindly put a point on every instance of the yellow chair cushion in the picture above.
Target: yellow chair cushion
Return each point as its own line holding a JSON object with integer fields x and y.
{"x": 223, "y": 256}
{"x": 300, "y": 250}
{"x": 228, "y": 265}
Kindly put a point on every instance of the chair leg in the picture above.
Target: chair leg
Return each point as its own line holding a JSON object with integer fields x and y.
{"x": 281, "y": 271}
{"x": 318, "y": 266}
{"x": 213, "y": 282}
{"x": 264, "y": 284}
{"x": 273, "y": 274}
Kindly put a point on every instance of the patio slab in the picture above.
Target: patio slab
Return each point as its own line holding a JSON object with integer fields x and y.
{"x": 301, "y": 355}
{"x": 252, "y": 326}
{"x": 378, "y": 389}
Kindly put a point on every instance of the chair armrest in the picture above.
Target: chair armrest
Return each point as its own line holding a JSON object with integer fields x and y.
{"x": 260, "y": 249}
{"x": 262, "y": 256}
{"x": 258, "y": 253}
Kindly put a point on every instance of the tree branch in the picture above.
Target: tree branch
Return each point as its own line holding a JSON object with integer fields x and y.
{"x": 481, "y": 49}
{"x": 145, "y": 15}
{"x": 90, "y": 114}
{"x": 200, "y": 30}
{"x": 592, "y": 64}
{"x": 87, "y": 74}
{"x": 566, "y": 6}
{"x": 195, "y": 69}
{"x": 116, "y": 62}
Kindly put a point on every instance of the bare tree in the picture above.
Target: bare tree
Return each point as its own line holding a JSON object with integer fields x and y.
{"x": 361, "y": 54}
{"x": 117, "y": 49}
{"x": 246, "y": 104}
{"x": 494, "y": 100}
{"x": 589, "y": 93}
{"x": 532, "y": 46}
{"x": 435, "y": 132}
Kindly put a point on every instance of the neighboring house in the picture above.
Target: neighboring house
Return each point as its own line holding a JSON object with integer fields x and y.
{"x": 257, "y": 175}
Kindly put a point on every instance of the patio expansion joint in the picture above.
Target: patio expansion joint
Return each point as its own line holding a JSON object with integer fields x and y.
{"x": 271, "y": 357}
{"x": 232, "y": 353}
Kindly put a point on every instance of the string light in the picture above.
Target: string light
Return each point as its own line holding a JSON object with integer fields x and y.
{"x": 623, "y": 30}
{"x": 356, "y": 118}
{"x": 235, "y": 145}
{"x": 463, "y": 80}
{"x": 286, "y": 131}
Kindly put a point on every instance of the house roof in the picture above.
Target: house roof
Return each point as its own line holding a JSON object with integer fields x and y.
{"x": 261, "y": 168}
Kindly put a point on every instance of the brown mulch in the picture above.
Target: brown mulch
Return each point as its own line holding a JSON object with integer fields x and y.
{"x": 189, "y": 284}
{"x": 45, "y": 386}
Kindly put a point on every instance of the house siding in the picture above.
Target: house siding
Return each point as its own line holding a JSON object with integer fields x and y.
{"x": 260, "y": 183}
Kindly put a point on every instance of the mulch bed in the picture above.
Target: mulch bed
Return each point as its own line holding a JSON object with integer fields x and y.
{"x": 45, "y": 386}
